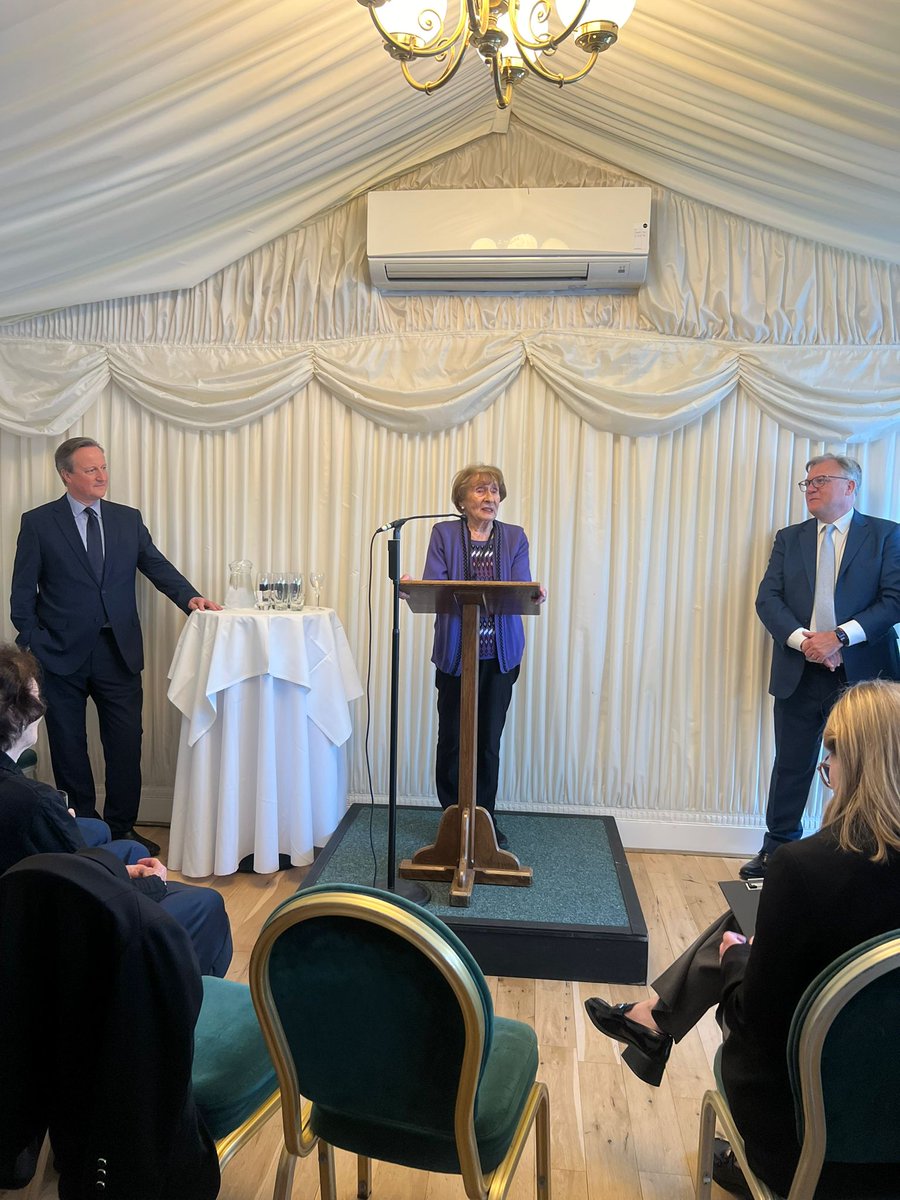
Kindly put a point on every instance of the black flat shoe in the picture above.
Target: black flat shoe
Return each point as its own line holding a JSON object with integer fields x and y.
{"x": 502, "y": 839}
{"x": 757, "y": 866}
{"x": 726, "y": 1171}
{"x": 647, "y": 1051}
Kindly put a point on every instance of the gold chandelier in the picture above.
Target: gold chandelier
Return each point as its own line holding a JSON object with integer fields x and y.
{"x": 512, "y": 36}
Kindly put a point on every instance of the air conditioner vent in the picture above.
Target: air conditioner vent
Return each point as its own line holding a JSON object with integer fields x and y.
{"x": 539, "y": 239}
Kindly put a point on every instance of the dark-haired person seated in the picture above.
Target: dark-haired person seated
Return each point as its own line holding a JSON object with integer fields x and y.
{"x": 34, "y": 819}
{"x": 823, "y": 896}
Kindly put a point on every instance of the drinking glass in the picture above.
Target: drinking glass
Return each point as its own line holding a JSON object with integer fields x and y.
{"x": 280, "y": 589}
{"x": 264, "y": 590}
{"x": 316, "y": 579}
{"x": 296, "y": 594}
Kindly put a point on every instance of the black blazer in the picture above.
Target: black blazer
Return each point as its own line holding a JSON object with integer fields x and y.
{"x": 818, "y": 902}
{"x": 99, "y": 995}
{"x": 57, "y": 603}
{"x": 867, "y": 590}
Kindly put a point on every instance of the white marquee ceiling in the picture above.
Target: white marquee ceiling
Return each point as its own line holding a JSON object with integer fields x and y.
{"x": 145, "y": 146}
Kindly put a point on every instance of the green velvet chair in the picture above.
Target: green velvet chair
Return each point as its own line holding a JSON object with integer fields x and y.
{"x": 233, "y": 1079}
{"x": 844, "y": 1064}
{"x": 377, "y": 1013}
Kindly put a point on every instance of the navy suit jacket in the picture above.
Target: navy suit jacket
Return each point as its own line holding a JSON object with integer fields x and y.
{"x": 867, "y": 590}
{"x": 57, "y": 603}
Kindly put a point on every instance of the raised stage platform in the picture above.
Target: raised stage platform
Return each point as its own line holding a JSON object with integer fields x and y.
{"x": 579, "y": 920}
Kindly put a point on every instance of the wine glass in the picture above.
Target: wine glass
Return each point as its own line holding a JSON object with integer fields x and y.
{"x": 316, "y": 579}
{"x": 296, "y": 595}
{"x": 280, "y": 586}
{"x": 264, "y": 590}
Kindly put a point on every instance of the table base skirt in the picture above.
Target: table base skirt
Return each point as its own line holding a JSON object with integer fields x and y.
{"x": 262, "y": 780}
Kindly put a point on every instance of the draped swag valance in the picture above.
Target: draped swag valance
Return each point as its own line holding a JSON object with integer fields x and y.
{"x": 623, "y": 383}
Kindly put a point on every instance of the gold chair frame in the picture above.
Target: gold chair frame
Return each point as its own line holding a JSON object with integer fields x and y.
{"x": 231, "y": 1143}
{"x": 455, "y": 971}
{"x": 835, "y": 994}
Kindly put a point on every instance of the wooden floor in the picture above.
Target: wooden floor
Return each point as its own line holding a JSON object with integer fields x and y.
{"x": 613, "y": 1138}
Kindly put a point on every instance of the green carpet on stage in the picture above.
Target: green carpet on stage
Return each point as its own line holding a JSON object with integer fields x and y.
{"x": 576, "y": 875}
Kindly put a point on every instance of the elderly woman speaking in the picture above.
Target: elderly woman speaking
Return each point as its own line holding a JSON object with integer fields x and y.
{"x": 477, "y": 548}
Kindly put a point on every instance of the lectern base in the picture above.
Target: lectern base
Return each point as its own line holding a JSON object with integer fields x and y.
{"x": 449, "y": 859}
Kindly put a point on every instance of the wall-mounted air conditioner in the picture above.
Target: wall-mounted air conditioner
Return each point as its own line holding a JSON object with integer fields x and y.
{"x": 509, "y": 240}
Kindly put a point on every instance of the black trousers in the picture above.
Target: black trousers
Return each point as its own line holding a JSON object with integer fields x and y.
{"x": 494, "y": 694}
{"x": 118, "y": 697}
{"x": 692, "y": 984}
{"x": 799, "y": 722}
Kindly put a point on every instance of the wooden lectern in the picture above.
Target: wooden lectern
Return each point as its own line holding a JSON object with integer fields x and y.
{"x": 465, "y": 851}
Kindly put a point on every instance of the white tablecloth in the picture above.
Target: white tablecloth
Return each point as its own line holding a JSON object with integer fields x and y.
{"x": 264, "y": 698}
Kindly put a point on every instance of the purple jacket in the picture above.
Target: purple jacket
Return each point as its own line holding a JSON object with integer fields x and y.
{"x": 448, "y": 557}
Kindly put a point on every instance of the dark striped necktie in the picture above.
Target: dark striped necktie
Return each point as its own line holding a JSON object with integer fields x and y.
{"x": 94, "y": 543}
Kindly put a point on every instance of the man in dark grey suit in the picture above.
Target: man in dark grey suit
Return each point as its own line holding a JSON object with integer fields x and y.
{"x": 830, "y": 598}
{"x": 73, "y": 605}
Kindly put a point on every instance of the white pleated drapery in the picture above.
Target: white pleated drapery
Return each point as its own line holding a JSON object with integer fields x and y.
{"x": 282, "y": 410}
{"x": 624, "y": 383}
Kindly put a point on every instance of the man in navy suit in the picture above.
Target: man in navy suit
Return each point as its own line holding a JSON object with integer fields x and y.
{"x": 73, "y": 605}
{"x": 830, "y": 598}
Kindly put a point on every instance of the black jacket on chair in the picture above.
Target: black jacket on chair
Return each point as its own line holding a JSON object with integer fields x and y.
{"x": 99, "y": 995}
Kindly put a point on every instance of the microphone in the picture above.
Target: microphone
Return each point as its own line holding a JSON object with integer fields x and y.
{"x": 401, "y": 521}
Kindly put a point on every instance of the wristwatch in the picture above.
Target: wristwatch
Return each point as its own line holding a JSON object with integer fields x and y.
{"x": 841, "y": 635}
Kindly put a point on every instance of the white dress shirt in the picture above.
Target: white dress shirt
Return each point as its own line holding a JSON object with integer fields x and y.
{"x": 853, "y": 629}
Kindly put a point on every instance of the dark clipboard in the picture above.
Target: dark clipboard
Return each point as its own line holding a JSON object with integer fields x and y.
{"x": 743, "y": 900}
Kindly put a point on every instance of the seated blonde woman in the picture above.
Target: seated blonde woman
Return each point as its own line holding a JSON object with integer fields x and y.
{"x": 823, "y": 896}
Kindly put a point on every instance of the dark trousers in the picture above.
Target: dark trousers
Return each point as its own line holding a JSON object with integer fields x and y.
{"x": 201, "y": 911}
{"x": 494, "y": 694}
{"x": 118, "y": 697}
{"x": 799, "y": 722}
{"x": 96, "y": 835}
{"x": 693, "y": 983}
{"x": 198, "y": 910}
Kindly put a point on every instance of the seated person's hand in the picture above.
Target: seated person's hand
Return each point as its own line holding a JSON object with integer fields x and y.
{"x": 146, "y": 866}
{"x": 730, "y": 939}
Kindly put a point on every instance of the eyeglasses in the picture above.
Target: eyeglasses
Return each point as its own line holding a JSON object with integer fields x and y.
{"x": 818, "y": 481}
{"x": 824, "y": 769}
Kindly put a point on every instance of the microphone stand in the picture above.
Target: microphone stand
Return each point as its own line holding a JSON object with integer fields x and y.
{"x": 400, "y": 887}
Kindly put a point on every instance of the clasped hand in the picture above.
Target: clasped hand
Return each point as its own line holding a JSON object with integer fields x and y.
{"x": 822, "y": 648}
{"x": 144, "y": 867}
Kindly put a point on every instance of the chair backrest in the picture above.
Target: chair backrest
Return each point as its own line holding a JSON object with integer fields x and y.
{"x": 844, "y": 1058}
{"x": 372, "y": 1005}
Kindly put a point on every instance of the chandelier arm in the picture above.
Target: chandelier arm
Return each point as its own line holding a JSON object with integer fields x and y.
{"x": 479, "y": 15}
{"x": 502, "y": 91}
{"x": 432, "y": 85}
{"x": 440, "y": 47}
{"x": 550, "y": 43}
{"x": 560, "y": 80}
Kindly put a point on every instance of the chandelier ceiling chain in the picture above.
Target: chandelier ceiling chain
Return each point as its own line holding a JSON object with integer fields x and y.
{"x": 513, "y": 37}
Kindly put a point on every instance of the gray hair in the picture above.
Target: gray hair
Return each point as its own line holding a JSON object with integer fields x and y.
{"x": 469, "y": 475}
{"x": 849, "y": 466}
{"x": 63, "y": 456}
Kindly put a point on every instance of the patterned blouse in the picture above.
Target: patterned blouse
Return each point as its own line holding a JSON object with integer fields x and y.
{"x": 484, "y": 566}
